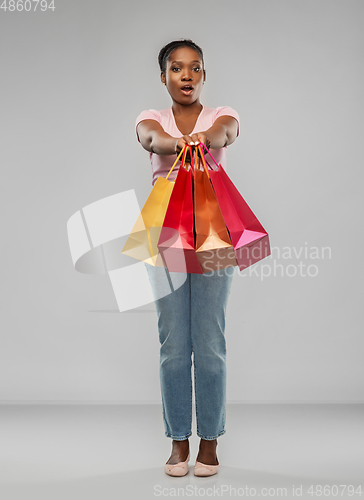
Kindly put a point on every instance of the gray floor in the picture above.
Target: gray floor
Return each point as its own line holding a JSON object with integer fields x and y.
{"x": 118, "y": 451}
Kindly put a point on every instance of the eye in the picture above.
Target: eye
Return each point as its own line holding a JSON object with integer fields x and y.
{"x": 197, "y": 68}
{"x": 175, "y": 68}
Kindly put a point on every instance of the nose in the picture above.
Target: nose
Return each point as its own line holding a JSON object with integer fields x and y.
{"x": 187, "y": 75}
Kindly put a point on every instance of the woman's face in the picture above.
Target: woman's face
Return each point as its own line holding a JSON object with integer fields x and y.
{"x": 184, "y": 75}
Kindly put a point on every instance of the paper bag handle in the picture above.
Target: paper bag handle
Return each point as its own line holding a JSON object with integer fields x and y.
{"x": 203, "y": 160}
{"x": 178, "y": 157}
{"x": 204, "y": 157}
{"x": 192, "y": 165}
{"x": 191, "y": 158}
{"x": 209, "y": 152}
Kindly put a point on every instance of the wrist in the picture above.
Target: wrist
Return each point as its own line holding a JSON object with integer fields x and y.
{"x": 175, "y": 144}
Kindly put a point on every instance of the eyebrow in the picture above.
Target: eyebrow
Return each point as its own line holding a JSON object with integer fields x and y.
{"x": 195, "y": 61}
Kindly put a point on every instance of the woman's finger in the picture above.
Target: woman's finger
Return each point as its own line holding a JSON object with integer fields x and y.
{"x": 188, "y": 139}
{"x": 201, "y": 137}
{"x": 195, "y": 138}
{"x": 181, "y": 144}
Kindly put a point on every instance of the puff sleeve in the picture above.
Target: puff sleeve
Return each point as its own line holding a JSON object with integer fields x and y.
{"x": 227, "y": 111}
{"x": 150, "y": 114}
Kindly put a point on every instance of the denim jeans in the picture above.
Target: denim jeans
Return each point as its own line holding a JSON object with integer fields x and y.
{"x": 191, "y": 319}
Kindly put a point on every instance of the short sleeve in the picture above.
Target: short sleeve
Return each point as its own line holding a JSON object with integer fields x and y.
{"x": 150, "y": 114}
{"x": 227, "y": 111}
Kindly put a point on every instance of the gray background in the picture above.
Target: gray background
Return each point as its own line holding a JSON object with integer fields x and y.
{"x": 73, "y": 82}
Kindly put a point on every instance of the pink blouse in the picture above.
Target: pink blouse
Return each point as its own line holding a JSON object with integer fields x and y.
{"x": 161, "y": 165}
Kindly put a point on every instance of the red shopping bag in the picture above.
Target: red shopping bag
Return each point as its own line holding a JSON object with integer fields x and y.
{"x": 213, "y": 244}
{"x": 249, "y": 238}
{"x": 176, "y": 241}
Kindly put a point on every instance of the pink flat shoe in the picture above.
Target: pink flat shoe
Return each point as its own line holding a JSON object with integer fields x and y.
{"x": 205, "y": 470}
{"x": 179, "y": 469}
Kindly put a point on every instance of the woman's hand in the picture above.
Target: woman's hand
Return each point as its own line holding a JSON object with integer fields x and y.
{"x": 192, "y": 141}
{"x": 201, "y": 137}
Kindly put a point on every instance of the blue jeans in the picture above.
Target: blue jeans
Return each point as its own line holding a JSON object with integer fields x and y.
{"x": 191, "y": 319}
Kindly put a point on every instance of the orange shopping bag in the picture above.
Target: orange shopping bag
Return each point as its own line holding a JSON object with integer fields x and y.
{"x": 213, "y": 245}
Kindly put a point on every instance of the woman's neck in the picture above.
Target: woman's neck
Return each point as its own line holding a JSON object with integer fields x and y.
{"x": 190, "y": 109}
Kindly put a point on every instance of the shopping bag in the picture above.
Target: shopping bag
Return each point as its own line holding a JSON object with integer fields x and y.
{"x": 176, "y": 241}
{"x": 143, "y": 239}
{"x": 213, "y": 245}
{"x": 249, "y": 238}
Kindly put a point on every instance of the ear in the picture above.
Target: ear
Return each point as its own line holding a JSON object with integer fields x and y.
{"x": 204, "y": 76}
{"x": 163, "y": 77}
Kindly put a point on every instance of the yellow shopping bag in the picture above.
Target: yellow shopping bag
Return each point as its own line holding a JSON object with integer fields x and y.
{"x": 143, "y": 239}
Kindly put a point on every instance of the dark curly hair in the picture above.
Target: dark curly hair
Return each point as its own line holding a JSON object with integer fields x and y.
{"x": 166, "y": 51}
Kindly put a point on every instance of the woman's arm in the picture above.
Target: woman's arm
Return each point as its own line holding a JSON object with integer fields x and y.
{"x": 222, "y": 133}
{"x": 155, "y": 140}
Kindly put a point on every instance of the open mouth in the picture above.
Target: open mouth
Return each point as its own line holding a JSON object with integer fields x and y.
{"x": 187, "y": 89}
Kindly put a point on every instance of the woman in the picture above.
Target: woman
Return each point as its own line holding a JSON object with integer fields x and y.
{"x": 191, "y": 319}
